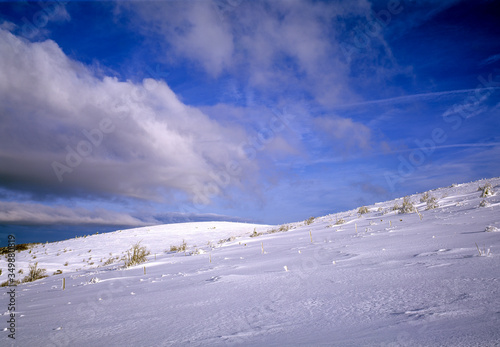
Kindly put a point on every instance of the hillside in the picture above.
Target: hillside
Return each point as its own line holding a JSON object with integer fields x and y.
{"x": 429, "y": 277}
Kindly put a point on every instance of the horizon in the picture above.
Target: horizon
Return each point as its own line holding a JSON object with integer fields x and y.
{"x": 116, "y": 115}
{"x": 59, "y": 233}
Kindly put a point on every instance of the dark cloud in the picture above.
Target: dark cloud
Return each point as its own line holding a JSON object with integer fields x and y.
{"x": 38, "y": 214}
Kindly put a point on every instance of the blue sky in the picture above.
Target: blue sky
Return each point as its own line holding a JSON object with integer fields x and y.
{"x": 133, "y": 113}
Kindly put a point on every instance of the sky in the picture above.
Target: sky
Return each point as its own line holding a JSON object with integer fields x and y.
{"x": 124, "y": 114}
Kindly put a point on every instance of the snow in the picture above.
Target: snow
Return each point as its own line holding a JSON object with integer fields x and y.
{"x": 400, "y": 280}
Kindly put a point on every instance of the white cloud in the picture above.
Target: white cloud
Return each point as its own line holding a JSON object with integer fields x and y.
{"x": 9, "y": 26}
{"x": 275, "y": 45}
{"x": 194, "y": 30}
{"x": 346, "y": 133}
{"x": 135, "y": 140}
{"x": 206, "y": 40}
{"x": 284, "y": 48}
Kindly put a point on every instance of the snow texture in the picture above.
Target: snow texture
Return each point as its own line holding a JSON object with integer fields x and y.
{"x": 379, "y": 279}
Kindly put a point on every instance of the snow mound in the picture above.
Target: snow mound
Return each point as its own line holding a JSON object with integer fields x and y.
{"x": 491, "y": 228}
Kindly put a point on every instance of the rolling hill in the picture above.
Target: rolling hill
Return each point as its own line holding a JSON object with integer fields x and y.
{"x": 424, "y": 276}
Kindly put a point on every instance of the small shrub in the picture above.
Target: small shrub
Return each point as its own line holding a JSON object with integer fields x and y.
{"x": 487, "y": 190}
{"x": 340, "y": 221}
{"x": 310, "y": 220}
{"x": 425, "y": 197}
{"x": 109, "y": 261}
{"x": 363, "y": 210}
{"x": 284, "y": 228}
{"x": 255, "y": 233}
{"x": 483, "y": 252}
{"x": 34, "y": 273}
{"x": 136, "y": 255}
{"x": 432, "y": 203}
{"x": 58, "y": 272}
{"x": 8, "y": 283}
{"x": 222, "y": 241}
{"x": 396, "y": 207}
{"x": 484, "y": 203}
{"x": 181, "y": 248}
{"x": 66, "y": 264}
{"x": 19, "y": 247}
{"x": 407, "y": 206}
{"x": 19, "y": 272}
{"x": 380, "y": 209}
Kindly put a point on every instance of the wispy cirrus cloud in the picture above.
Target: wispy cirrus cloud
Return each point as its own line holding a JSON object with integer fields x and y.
{"x": 433, "y": 96}
{"x": 274, "y": 46}
{"x": 491, "y": 59}
{"x": 346, "y": 134}
{"x": 39, "y": 16}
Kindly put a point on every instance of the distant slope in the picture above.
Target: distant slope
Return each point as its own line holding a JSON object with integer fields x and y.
{"x": 84, "y": 253}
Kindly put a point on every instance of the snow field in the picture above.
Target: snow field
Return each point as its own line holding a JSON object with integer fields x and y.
{"x": 400, "y": 280}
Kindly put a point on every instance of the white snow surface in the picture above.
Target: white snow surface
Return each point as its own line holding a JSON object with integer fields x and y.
{"x": 400, "y": 280}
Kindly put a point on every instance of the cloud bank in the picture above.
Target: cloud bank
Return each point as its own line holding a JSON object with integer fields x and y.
{"x": 38, "y": 214}
{"x": 66, "y": 132}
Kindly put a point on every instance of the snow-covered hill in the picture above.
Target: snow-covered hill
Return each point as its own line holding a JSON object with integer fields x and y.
{"x": 383, "y": 278}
